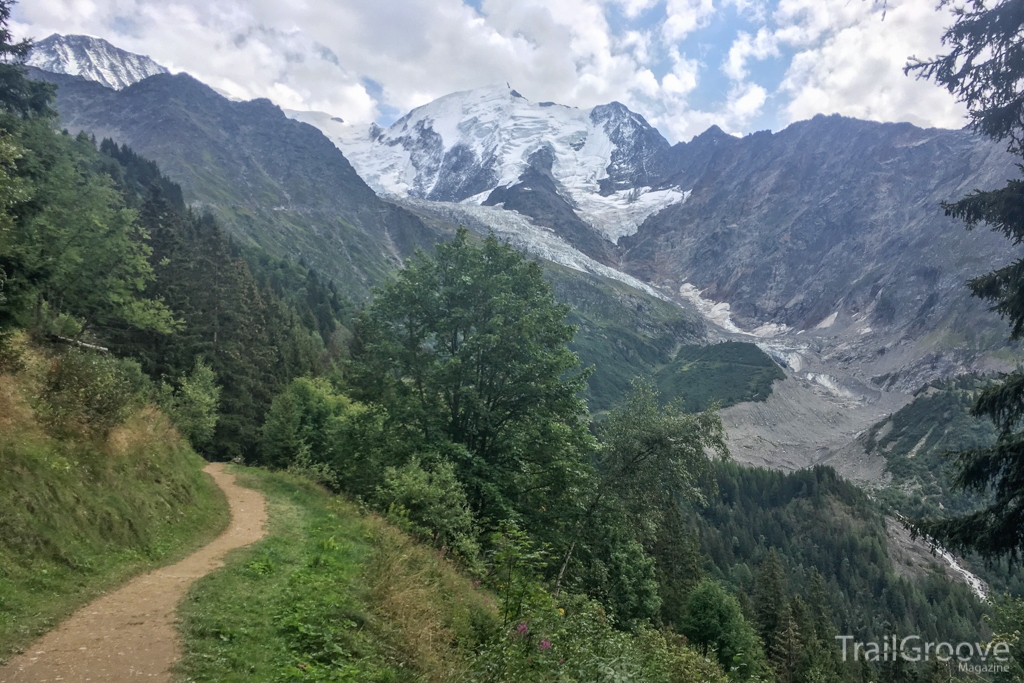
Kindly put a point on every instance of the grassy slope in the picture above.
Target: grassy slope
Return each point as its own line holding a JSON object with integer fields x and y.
{"x": 330, "y": 594}
{"x": 624, "y": 334}
{"x": 726, "y": 373}
{"x": 78, "y": 517}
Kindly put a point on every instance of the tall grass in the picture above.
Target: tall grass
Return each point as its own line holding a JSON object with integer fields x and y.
{"x": 332, "y": 594}
{"x": 81, "y": 513}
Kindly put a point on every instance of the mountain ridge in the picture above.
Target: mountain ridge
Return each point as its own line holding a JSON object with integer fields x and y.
{"x": 94, "y": 59}
{"x": 267, "y": 177}
{"x": 822, "y": 243}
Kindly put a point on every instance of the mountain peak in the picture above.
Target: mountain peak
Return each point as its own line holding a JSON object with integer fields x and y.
{"x": 93, "y": 59}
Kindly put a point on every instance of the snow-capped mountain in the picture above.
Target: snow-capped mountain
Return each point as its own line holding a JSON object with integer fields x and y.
{"x": 606, "y": 163}
{"x": 94, "y": 59}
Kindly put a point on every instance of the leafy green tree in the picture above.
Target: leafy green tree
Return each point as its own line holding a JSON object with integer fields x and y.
{"x": 983, "y": 70}
{"x": 193, "y": 406}
{"x": 11, "y": 193}
{"x": 68, "y": 243}
{"x": 74, "y": 245}
{"x": 309, "y": 423}
{"x": 469, "y": 346}
{"x": 650, "y": 460}
{"x": 714, "y": 623}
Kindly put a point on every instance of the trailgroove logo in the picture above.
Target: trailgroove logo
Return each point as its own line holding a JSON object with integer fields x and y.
{"x": 972, "y": 657}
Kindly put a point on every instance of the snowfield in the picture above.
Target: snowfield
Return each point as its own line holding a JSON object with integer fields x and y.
{"x": 492, "y": 133}
{"x": 93, "y": 59}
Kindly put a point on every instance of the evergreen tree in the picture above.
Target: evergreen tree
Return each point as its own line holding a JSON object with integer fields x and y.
{"x": 678, "y": 563}
{"x": 785, "y": 646}
{"x": 983, "y": 70}
{"x": 771, "y": 603}
{"x": 19, "y": 96}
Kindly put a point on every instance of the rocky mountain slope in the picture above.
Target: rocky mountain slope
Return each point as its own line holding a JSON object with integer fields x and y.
{"x": 824, "y": 244}
{"x": 94, "y": 59}
{"x": 600, "y": 170}
{"x": 272, "y": 180}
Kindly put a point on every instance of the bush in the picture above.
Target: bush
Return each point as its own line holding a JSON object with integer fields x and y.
{"x": 309, "y": 425}
{"x": 571, "y": 639}
{"x": 11, "y": 350}
{"x": 714, "y": 623}
{"x": 88, "y": 393}
{"x": 193, "y": 407}
{"x": 431, "y": 504}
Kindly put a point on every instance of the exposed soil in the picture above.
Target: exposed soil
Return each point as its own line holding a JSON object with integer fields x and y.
{"x": 130, "y": 633}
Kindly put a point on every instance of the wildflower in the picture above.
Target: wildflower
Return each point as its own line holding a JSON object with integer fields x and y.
{"x": 522, "y": 630}
{"x": 561, "y": 612}
{"x": 544, "y": 645}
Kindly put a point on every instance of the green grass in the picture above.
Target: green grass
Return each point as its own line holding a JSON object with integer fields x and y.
{"x": 622, "y": 332}
{"x": 331, "y": 594}
{"x": 726, "y": 373}
{"x": 79, "y": 516}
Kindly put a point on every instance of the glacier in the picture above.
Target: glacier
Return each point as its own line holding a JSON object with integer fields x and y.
{"x": 476, "y": 140}
{"x": 93, "y": 59}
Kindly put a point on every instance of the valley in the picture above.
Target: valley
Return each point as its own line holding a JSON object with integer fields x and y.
{"x": 527, "y": 374}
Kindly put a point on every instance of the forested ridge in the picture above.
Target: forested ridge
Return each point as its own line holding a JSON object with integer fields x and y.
{"x": 622, "y": 548}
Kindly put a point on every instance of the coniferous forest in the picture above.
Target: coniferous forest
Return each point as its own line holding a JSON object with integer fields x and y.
{"x": 621, "y": 546}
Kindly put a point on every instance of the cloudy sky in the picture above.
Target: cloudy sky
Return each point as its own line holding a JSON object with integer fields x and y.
{"x": 745, "y": 65}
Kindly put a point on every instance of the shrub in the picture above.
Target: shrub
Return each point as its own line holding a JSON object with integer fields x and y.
{"x": 89, "y": 393}
{"x": 11, "y": 350}
{"x": 310, "y": 425}
{"x": 193, "y": 407}
{"x": 431, "y": 504}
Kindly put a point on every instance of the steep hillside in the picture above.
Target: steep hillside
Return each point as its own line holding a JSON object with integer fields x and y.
{"x": 833, "y": 227}
{"x": 271, "y": 180}
{"x": 336, "y": 594}
{"x": 622, "y": 332}
{"x": 82, "y": 510}
{"x": 814, "y": 523}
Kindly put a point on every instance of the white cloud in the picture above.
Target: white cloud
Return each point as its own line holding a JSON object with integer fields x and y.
{"x": 747, "y": 47}
{"x": 683, "y": 17}
{"x": 321, "y": 54}
{"x": 632, "y": 9}
{"x": 850, "y": 61}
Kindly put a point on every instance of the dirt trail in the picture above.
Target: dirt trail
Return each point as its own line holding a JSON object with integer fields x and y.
{"x": 130, "y": 634}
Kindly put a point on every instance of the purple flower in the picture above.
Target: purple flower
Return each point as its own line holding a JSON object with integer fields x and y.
{"x": 522, "y": 630}
{"x": 544, "y": 645}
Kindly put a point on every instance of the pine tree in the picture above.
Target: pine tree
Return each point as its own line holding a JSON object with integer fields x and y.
{"x": 983, "y": 70}
{"x": 18, "y": 95}
{"x": 770, "y": 602}
{"x": 785, "y": 647}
